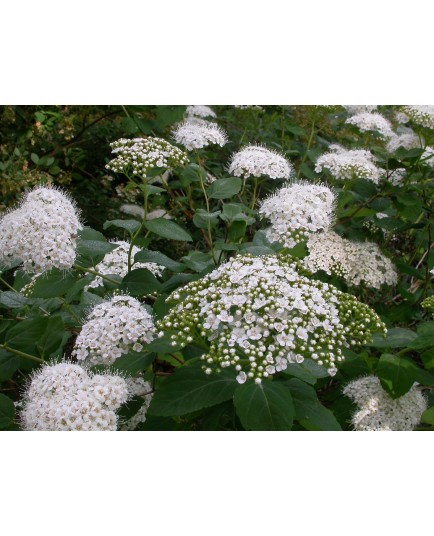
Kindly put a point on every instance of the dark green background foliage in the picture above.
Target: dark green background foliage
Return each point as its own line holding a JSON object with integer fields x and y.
{"x": 69, "y": 146}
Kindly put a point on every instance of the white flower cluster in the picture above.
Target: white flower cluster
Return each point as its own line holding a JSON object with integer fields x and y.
{"x": 112, "y": 329}
{"x": 297, "y": 211}
{"x": 41, "y": 232}
{"x": 116, "y": 263}
{"x": 254, "y": 161}
{"x": 401, "y": 118}
{"x": 248, "y": 107}
{"x": 355, "y": 262}
{"x": 195, "y": 135}
{"x": 367, "y": 122}
{"x": 140, "y": 155}
{"x": 66, "y": 397}
{"x": 138, "y": 387}
{"x": 346, "y": 164}
{"x": 408, "y": 140}
{"x": 354, "y": 109}
{"x": 428, "y": 156}
{"x": 379, "y": 412}
{"x": 257, "y": 314}
{"x": 200, "y": 111}
{"x": 420, "y": 114}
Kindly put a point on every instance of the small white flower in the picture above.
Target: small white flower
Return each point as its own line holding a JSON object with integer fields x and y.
{"x": 242, "y": 377}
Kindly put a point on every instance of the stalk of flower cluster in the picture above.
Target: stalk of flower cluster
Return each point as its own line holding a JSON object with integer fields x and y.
{"x": 205, "y": 195}
{"x": 136, "y": 235}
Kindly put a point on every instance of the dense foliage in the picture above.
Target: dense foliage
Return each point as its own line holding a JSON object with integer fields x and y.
{"x": 240, "y": 268}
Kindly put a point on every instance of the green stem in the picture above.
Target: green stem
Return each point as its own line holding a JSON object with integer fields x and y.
{"x": 309, "y": 142}
{"x": 255, "y": 189}
{"x": 202, "y": 185}
{"x": 7, "y": 284}
{"x": 140, "y": 229}
{"x": 95, "y": 272}
{"x": 22, "y": 354}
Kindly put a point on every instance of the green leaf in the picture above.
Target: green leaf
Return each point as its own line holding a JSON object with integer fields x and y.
{"x": 167, "y": 229}
{"x": 175, "y": 281}
{"x": 134, "y": 362}
{"x": 51, "y": 338}
{"x": 7, "y": 411}
{"x": 198, "y": 261}
{"x": 428, "y": 359}
{"x": 87, "y": 233}
{"x": 264, "y": 406}
{"x": 163, "y": 345}
{"x": 189, "y": 389}
{"x": 129, "y": 225}
{"x": 428, "y": 416}
{"x": 310, "y": 413}
{"x": 53, "y": 284}
{"x": 224, "y": 188}
{"x": 146, "y": 255}
{"x": 24, "y": 335}
{"x": 300, "y": 372}
{"x": 202, "y": 218}
{"x": 230, "y": 211}
{"x": 9, "y": 364}
{"x": 237, "y": 230}
{"x": 425, "y": 336}
{"x": 13, "y": 300}
{"x": 395, "y": 338}
{"x": 140, "y": 282}
{"x": 91, "y": 252}
{"x": 397, "y": 374}
{"x": 167, "y": 115}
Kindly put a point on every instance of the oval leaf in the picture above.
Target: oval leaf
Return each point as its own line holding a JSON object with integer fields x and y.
{"x": 396, "y": 374}
{"x": 167, "y": 229}
{"x": 189, "y": 389}
{"x": 267, "y": 406}
{"x": 224, "y": 188}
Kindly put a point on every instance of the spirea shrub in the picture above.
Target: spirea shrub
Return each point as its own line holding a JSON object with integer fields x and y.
{"x": 377, "y": 411}
{"x": 41, "y": 232}
{"x": 140, "y": 155}
{"x": 254, "y": 161}
{"x": 259, "y": 314}
{"x": 297, "y": 211}
{"x": 197, "y": 291}
{"x": 114, "y": 328}
{"x": 67, "y": 397}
